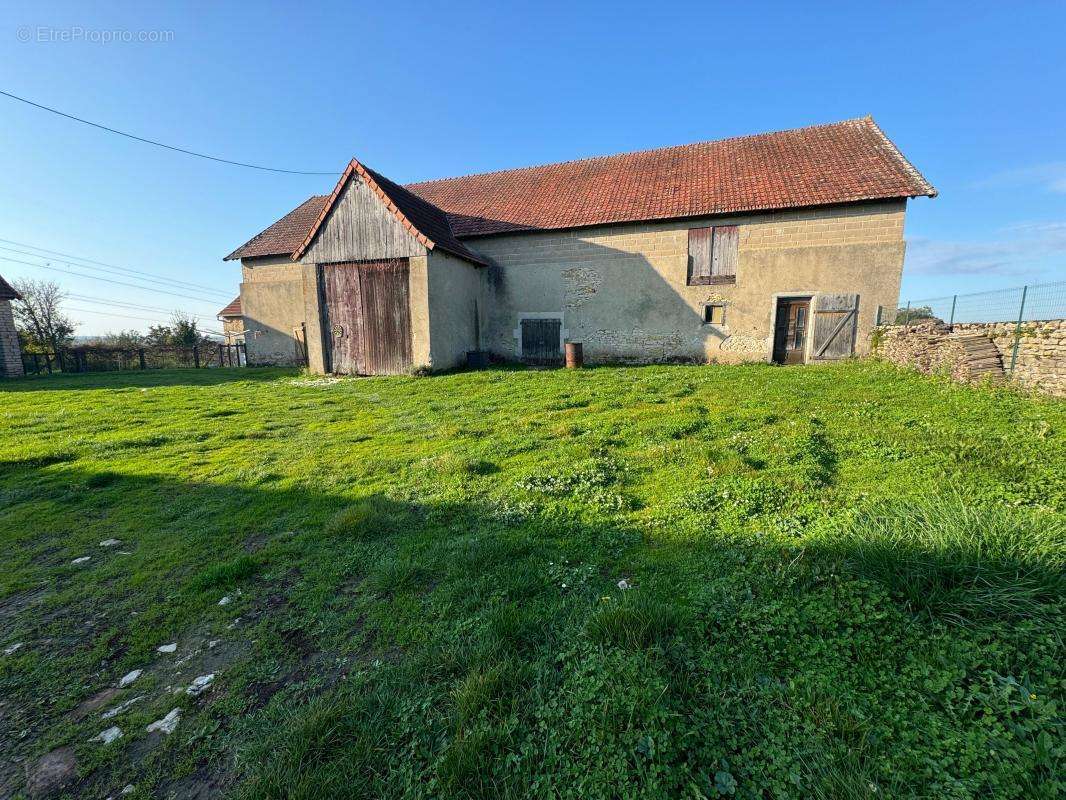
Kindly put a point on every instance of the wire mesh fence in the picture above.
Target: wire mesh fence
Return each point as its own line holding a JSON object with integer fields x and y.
{"x": 117, "y": 359}
{"x": 1036, "y": 302}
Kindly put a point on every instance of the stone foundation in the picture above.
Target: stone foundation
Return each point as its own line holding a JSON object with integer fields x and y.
{"x": 934, "y": 348}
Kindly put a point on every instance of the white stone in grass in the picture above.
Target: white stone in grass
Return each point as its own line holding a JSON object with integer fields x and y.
{"x": 108, "y": 736}
{"x": 167, "y": 724}
{"x": 129, "y": 678}
{"x": 225, "y": 601}
{"x": 110, "y": 542}
{"x": 201, "y": 683}
{"x": 167, "y": 648}
{"x": 114, "y": 712}
{"x": 81, "y": 560}
{"x": 624, "y": 584}
{"x": 13, "y": 648}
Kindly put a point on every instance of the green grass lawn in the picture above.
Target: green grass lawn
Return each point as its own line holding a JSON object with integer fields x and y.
{"x": 840, "y": 581}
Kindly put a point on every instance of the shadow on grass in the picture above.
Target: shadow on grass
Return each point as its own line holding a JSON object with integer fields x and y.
{"x": 500, "y": 628}
{"x": 134, "y": 379}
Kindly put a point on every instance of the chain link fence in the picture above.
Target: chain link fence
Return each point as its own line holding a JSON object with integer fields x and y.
{"x": 1036, "y": 302}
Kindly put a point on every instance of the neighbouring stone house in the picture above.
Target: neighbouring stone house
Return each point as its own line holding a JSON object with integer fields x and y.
{"x": 232, "y": 322}
{"x": 774, "y": 247}
{"x": 10, "y": 352}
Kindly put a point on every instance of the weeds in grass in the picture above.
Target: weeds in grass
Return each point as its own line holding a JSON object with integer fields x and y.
{"x": 950, "y": 557}
{"x": 226, "y": 575}
{"x": 635, "y": 622}
{"x": 363, "y": 520}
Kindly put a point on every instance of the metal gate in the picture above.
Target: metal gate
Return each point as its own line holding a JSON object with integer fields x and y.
{"x": 366, "y": 317}
{"x": 540, "y": 341}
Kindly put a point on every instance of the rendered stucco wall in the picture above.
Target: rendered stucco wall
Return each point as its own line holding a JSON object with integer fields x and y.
{"x": 10, "y": 354}
{"x": 272, "y": 303}
{"x": 454, "y": 288}
{"x": 622, "y": 289}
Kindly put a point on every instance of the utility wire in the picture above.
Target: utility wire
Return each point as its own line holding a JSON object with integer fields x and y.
{"x": 111, "y": 268}
{"x": 136, "y": 306}
{"x": 105, "y": 280}
{"x": 160, "y": 144}
{"x": 128, "y": 316}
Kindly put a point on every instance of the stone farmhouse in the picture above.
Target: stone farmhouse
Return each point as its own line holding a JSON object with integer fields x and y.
{"x": 774, "y": 247}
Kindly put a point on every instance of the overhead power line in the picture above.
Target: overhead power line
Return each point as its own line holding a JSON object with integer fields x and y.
{"x": 113, "y": 268}
{"x": 136, "y": 306}
{"x": 105, "y": 280}
{"x": 160, "y": 144}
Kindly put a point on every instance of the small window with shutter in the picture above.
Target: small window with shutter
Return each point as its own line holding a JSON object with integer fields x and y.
{"x": 712, "y": 255}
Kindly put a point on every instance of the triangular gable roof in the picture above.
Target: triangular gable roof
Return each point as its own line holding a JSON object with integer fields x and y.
{"x": 233, "y": 309}
{"x": 7, "y": 292}
{"x": 842, "y": 162}
{"x": 427, "y": 223}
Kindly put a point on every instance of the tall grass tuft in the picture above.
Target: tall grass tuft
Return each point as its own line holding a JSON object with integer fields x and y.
{"x": 636, "y": 622}
{"x": 363, "y": 520}
{"x": 950, "y": 558}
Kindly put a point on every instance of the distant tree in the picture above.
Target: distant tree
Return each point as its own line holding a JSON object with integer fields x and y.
{"x": 185, "y": 332}
{"x": 911, "y": 316}
{"x": 129, "y": 340}
{"x": 41, "y": 323}
{"x": 159, "y": 336}
{"x": 182, "y": 331}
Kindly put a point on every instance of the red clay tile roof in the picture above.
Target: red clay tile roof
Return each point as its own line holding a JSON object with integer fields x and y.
{"x": 822, "y": 165}
{"x": 425, "y": 221}
{"x": 7, "y": 292}
{"x": 285, "y": 235}
{"x": 233, "y": 309}
{"x": 841, "y": 162}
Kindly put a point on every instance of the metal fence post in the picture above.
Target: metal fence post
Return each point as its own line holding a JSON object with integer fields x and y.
{"x": 1018, "y": 331}
{"x": 907, "y": 316}
{"x": 951, "y": 322}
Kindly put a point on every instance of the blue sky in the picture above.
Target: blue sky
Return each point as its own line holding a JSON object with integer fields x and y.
{"x": 972, "y": 93}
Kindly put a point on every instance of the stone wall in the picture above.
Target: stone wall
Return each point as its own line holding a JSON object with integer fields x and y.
{"x": 10, "y": 355}
{"x": 934, "y": 348}
{"x": 622, "y": 290}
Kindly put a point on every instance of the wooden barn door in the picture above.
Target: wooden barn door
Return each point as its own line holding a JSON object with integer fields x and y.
{"x": 540, "y": 341}
{"x": 367, "y": 317}
{"x": 383, "y": 289}
{"x": 836, "y": 319}
{"x": 342, "y": 318}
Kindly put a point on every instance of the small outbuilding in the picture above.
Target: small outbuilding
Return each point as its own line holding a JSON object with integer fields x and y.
{"x": 232, "y": 322}
{"x": 10, "y": 353}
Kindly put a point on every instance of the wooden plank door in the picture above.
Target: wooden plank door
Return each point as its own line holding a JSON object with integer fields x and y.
{"x": 342, "y": 321}
{"x": 367, "y": 317}
{"x": 540, "y": 341}
{"x": 790, "y": 330}
{"x": 383, "y": 290}
{"x": 835, "y": 326}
